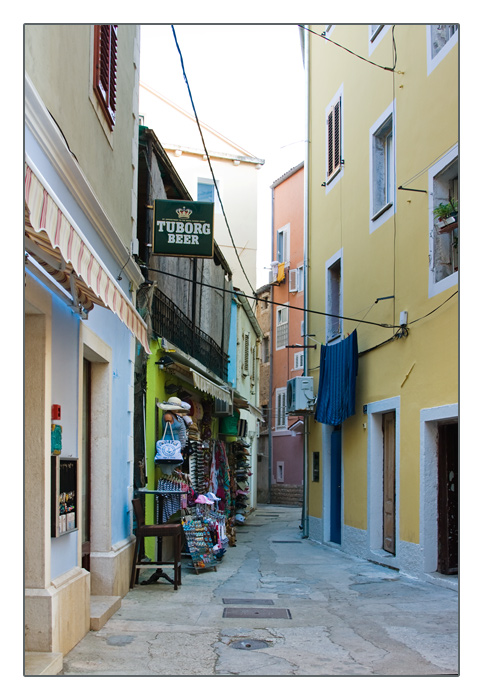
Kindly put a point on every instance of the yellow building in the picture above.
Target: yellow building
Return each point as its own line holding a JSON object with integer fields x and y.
{"x": 382, "y": 156}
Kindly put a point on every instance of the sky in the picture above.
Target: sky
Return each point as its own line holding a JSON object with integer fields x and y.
{"x": 247, "y": 82}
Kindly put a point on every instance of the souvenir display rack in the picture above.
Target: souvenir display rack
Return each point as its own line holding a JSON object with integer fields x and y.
{"x": 199, "y": 543}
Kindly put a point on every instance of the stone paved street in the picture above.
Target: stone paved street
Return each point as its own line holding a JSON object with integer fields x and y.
{"x": 340, "y": 616}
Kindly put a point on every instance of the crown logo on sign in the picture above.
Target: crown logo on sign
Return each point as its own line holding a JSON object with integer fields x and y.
{"x": 184, "y": 213}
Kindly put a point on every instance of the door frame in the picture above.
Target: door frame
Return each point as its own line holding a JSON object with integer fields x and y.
{"x": 99, "y": 354}
{"x": 430, "y": 418}
{"x": 375, "y": 472}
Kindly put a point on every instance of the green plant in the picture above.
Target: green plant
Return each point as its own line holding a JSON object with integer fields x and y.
{"x": 445, "y": 210}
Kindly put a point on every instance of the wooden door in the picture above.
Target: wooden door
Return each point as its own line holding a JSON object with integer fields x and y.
{"x": 448, "y": 478}
{"x": 389, "y": 482}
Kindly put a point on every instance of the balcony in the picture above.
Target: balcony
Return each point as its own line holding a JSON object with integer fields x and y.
{"x": 171, "y": 323}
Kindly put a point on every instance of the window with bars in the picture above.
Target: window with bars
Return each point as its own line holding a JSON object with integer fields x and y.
{"x": 105, "y": 69}
{"x": 334, "y": 131}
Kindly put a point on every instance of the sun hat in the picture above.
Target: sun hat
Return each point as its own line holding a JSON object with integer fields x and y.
{"x": 212, "y": 496}
{"x": 174, "y": 404}
{"x": 203, "y": 499}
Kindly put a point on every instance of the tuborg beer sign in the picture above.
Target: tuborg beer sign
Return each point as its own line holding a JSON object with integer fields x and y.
{"x": 183, "y": 228}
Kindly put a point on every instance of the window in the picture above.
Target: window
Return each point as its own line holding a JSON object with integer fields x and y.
{"x": 375, "y": 30}
{"x": 440, "y": 39}
{"x": 382, "y": 168}
{"x": 333, "y": 299}
{"x": 246, "y": 354}
{"x": 296, "y": 279}
{"x": 105, "y": 69}
{"x": 298, "y": 360}
{"x": 283, "y": 244}
{"x": 206, "y": 192}
{"x": 280, "y": 411}
{"x": 334, "y": 131}
{"x": 443, "y": 235}
{"x": 281, "y": 327}
{"x": 440, "y": 35}
{"x": 266, "y": 349}
{"x": 280, "y": 470}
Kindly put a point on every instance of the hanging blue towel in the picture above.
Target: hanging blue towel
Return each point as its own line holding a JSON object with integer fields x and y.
{"x": 336, "y": 398}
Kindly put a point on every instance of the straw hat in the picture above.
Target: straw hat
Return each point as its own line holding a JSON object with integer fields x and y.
{"x": 175, "y": 405}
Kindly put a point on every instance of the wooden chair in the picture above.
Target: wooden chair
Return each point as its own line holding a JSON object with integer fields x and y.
{"x": 173, "y": 530}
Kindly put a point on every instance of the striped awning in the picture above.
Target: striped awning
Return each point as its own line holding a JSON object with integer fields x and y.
{"x": 209, "y": 387}
{"x": 64, "y": 253}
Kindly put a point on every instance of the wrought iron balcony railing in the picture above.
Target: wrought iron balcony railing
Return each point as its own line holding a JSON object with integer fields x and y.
{"x": 171, "y": 323}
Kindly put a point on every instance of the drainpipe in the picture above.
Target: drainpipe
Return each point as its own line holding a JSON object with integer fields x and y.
{"x": 270, "y": 387}
{"x": 305, "y": 505}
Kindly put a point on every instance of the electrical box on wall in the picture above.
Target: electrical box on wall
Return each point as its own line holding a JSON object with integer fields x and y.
{"x": 56, "y": 411}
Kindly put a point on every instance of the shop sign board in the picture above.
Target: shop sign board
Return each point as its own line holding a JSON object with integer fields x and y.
{"x": 183, "y": 228}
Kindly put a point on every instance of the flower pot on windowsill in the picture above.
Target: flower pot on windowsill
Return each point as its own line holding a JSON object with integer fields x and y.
{"x": 447, "y": 226}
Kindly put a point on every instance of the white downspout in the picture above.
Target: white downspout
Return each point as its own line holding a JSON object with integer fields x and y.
{"x": 305, "y": 516}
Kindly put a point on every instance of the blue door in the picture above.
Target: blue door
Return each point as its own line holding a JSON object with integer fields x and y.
{"x": 335, "y": 485}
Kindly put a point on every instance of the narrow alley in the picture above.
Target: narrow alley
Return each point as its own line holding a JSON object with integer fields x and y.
{"x": 277, "y": 605}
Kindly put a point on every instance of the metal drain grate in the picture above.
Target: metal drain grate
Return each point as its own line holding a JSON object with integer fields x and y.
{"x": 261, "y": 613}
{"x": 247, "y": 601}
{"x": 249, "y": 644}
{"x": 286, "y": 541}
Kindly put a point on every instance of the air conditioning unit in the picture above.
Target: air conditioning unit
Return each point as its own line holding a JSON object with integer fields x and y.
{"x": 300, "y": 395}
{"x": 223, "y": 408}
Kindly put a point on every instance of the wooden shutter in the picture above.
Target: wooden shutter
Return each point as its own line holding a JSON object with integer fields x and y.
{"x": 334, "y": 139}
{"x": 105, "y": 68}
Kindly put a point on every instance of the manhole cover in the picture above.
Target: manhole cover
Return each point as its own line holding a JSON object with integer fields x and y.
{"x": 247, "y": 601}
{"x": 249, "y": 644}
{"x": 262, "y": 613}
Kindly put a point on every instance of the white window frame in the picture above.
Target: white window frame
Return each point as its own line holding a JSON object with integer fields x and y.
{"x": 433, "y": 173}
{"x": 283, "y": 251}
{"x": 296, "y": 279}
{"x": 331, "y": 322}
{"x": 298, "y": 360}
{"x": 433, "y": 61}
{"x": 281, "y": 322}
{"x": 281, "y": 409}
{"x": 377, "y": 133}
{"x": 376, "y": 35}
{"x": 335, "y": 177}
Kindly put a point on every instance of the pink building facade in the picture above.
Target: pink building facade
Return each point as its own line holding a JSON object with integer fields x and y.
{"x": 287, "y": 337}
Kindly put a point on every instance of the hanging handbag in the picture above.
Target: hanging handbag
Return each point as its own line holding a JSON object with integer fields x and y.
{"x": 168, "y": 451}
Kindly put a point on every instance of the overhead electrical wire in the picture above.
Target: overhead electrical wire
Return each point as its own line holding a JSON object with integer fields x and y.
{"x": 208, "y": 158}
{"x": 362, "y": 58}
{"x": 288, "y": 306}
